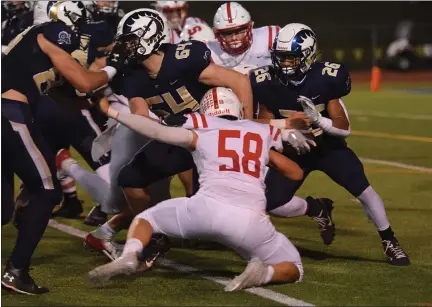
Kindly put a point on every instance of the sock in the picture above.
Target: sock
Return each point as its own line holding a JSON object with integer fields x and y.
{"x": 95, "y": 186}
{"x": 295, "y": 207}
{"x": 68, "y": 186}
{"x": 132, "y": 246}
{"x": 374, "y": 208}
{"x": 104, "y": 232}
{"x": 387, "y": 234}
{"x": 314, "y": 208}
{"x": 269, "y": 275}
{"x": 104, "y": 172}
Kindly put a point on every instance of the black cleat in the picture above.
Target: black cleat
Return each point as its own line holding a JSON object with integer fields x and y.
{"x": 19, "y": 280}
{"x": 324, "y": 219}
{"x": 159, "y": 246}
{"x": 394, "y": 253}
{"x": 96, "y": 217}
{"x": 71, "y": 208}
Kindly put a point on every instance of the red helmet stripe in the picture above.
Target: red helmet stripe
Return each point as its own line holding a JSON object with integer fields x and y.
{"x": 215, "y": 98}
{"x": 229, "y": 12}
{"x": 270, "y": 37}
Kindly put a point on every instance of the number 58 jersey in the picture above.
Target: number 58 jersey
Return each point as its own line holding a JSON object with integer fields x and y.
{"x": 231, "y": 158}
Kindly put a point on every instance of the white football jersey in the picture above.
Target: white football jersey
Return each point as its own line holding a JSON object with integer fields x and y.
{"x": 175, "y": 35}
{"x": 258, "y": 54}
{"x": 231, "y": 158}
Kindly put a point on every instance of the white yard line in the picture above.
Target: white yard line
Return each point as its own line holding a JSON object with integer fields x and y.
{"x": 397, "y": 164}
{"x": 268, "y": 294}
{"x": 388, "y": 115}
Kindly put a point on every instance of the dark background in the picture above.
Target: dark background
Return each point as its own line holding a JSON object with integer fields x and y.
{"x": 345, "y": 30}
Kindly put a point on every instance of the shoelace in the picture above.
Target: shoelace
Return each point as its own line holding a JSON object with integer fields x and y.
{"x": 322, "y": 222}
{"x": 396, "y": 250}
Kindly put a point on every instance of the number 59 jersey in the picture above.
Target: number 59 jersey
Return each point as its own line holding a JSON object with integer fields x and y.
{"x": 231, "y": 158}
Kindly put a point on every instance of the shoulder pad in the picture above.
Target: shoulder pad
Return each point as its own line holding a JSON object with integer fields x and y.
{"x": 61, "y": 35}
{"x": 192, "y": 57}
{"x": 336, "y": 77}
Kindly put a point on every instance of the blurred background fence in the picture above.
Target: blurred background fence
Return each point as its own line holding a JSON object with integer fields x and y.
{"x": 356, "y": 33}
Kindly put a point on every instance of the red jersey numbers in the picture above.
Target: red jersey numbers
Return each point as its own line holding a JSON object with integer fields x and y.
{"x": 251, "y": 153}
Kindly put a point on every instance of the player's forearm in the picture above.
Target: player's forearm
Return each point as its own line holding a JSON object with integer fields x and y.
{"x": 146, "y": 126}
{"x": 242, "y": 88}
{"x": 331, "y": 128}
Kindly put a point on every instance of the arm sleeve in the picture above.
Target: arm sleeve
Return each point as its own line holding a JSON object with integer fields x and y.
{"x": 145, "y": 126}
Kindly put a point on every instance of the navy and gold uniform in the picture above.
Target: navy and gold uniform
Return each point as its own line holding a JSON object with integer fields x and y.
{"x": 64, "y": 114}
{"x": 175, "y": 89}
{"x": 27, "y": 70}
{"x": 324, "y": 82}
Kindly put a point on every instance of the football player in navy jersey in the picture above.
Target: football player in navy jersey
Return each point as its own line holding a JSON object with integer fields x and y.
{"x": 107, "y": 11}
{"x": 16, "y": 17}
{"x": 64, "y": 115}
{"x": 166, "y": 79}
{"x": 296, "y": 84}
{"x": 34, "y": 61}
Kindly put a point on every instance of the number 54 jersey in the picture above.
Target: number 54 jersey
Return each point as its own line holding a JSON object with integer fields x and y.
{"x": 231, "y": 158}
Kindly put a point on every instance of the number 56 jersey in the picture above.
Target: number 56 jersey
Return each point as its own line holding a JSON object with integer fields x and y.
{"x": 231, "y": 158}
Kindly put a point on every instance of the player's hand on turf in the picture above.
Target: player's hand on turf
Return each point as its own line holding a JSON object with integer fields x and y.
{"x": 309, "y": 109}
{"x": 298, "y": 141}
{"x": 117, "y": 56}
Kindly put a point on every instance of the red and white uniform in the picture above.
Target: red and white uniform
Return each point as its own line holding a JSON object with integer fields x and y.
{"x": 229, "y": 208}
{"x": 231, "y": 157}
{"x": 258, "y": 54}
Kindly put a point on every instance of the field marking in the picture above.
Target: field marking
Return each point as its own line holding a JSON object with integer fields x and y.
{"x": 265, "y": 293}
{"x": 387, "y": 115}
{"x": 397, "y": 164}
{"x": 383, "y": 135}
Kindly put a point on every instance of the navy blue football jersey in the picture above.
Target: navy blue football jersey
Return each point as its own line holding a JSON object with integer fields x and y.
{"x": 324, "y": 82}
{"x": 176, "y": 86}
{"x": 26, "y": 68}
{"x": 15, "y": 25}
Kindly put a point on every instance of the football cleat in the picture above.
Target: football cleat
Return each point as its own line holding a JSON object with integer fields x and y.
{"x": 253, "y": 276}
{"x": 126, "y": 264}
{"x": 158, "y": 246}
{"x": 394, "y": 253}
{"x": 108, "y": 248}
{"x": 71, "y": 208}
{"x": 324, "y": 219}
{"x": 19, "y": 280}
{"x": 95, "y": 217}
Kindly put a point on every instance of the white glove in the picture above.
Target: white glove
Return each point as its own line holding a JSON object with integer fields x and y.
{"x": 309, "y": 109}
{"x": 297, "y": 140}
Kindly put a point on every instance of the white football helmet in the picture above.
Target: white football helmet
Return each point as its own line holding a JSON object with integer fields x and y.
{"x": 40, "y": 12}
{"x": 221, "y": 101}
{"x": 244, "y": 68}
{"x": 197, "y": 31}
{"x": 70, "y": 12}
{"x": 175, "y": 11}
{"x": 143, "y": 31}
{"x": 296, "y": 46}
{"x": 232, "y": 18}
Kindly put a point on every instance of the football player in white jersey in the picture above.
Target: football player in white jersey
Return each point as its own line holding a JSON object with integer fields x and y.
{"x": 237, "y": 42}
{"x": 177, "y": 14}
{"x": 231, "y": 156}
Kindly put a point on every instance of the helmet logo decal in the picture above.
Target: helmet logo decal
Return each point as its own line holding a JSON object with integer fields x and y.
{"x": 305, "y": 41}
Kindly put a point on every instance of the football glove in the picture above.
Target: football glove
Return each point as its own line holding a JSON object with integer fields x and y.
{"x": 298, "y": 141}
{"x": 309, "y": 109}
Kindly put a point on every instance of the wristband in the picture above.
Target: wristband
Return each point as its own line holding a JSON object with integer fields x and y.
{"x": 111, "y": 71}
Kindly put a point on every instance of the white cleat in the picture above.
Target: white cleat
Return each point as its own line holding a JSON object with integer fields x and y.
{"x": 253, "y": 276}
{"x": 126, "y": 264}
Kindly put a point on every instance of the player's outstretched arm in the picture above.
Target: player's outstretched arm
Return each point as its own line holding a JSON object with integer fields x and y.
{"x": 215, "y": 75}
{"x": 84, "y": 81}
{"x": 146, "y": 126}
{"x": 285, "y": 166}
